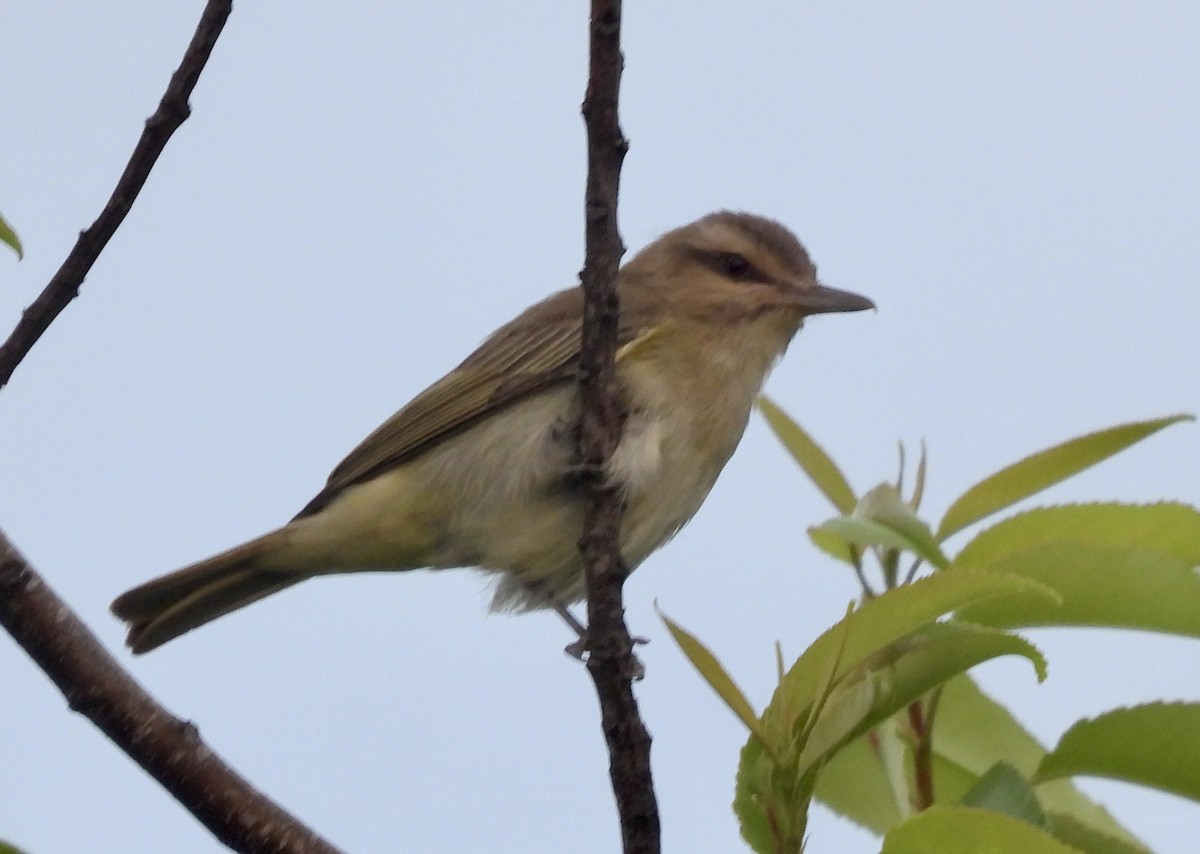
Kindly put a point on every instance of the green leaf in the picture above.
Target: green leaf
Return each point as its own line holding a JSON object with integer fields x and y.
{"x": 755, "y": 775}
{"x": 895, "y": 756}
{"x": 875, "y": 659}
{"x": 951, "y": 781}
{"x": 713, "y": 673}
{"x": 7, "y": 235}
{"x": 833, "y": 544}
{"x": 853, "y": 784}
{"x": 1086, "y": 838}
{"x": 1168, "y": 528}
{"x": 917, "y": 664}
{"x": 883, "y": 621}
{"x": 971, "y": 734}
{"x": 882, "y": 519}
{"x": 884, "y": 505}
{"x": 819, "y": 467}
{"x": 919, "y": 486}
{"x": 1100, "y": 587}
{"x": 847, "y": 712}
{"x": 968, "y": 830}
{"x": 1113, "y": 565}
{"x": 945, "y": 649}
{"x": 1044, "y": 469}
{"x": 1155, "y": 745}
{"x": 866, "y": 781}
{"x": 772, "y": 813}
{"x": 1003, "y": 789}
{"x": 857, "y": 532}
{"x": 776, "y": 775}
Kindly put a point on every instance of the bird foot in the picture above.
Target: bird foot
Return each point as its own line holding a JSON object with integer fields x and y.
{"x": 578, "y": 650}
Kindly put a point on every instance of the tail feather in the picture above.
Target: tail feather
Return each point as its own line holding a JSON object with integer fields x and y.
{"x": 216, "y": 600}
{"x": 167, "y": 607}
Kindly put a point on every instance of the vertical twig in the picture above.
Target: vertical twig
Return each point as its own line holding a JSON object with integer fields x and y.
{"x": 610, "y": 660}
{"x": 922, "y": 755}
{"x": 93, "y": 683}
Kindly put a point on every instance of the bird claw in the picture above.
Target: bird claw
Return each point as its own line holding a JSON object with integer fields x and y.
{"x": 578, "y": 650}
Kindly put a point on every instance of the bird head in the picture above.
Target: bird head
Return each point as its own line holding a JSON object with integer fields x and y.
{"x": 730, "y": 267}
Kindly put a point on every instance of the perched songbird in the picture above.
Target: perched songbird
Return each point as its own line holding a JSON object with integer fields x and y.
{"x": 479, "y": 469}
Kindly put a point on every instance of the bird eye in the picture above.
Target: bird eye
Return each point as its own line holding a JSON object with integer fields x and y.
{"x": 735, "y": 266}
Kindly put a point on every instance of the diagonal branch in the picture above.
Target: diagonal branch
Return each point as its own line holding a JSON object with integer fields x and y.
{"x": 168, "y": 748}
{"x": 93, "y": 683}
{"x": 610, "y": 647}
{"x": 172, "y": 112}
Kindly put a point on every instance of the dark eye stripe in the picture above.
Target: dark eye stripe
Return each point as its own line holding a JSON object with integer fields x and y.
{"x": 732, "y": 265}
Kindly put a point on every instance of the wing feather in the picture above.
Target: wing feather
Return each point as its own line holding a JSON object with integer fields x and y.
{"x": 536, "y": 351}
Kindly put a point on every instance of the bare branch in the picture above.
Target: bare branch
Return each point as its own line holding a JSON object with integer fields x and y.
{"x": 610, "y": 647}
{"x": 168, "y": 748}
{"x": 93, "y": 683}
{"x": 172, "y": 112}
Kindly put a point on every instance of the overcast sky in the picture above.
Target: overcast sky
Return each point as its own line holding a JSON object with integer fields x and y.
{"x": 364, "y": 191}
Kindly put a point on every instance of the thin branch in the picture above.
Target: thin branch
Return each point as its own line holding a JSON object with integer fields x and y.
{"x": 610, "y": 660}
{"x": 93, "y": 684}
{"x": 168, "y": 748}
{"x": 173, "y": 110}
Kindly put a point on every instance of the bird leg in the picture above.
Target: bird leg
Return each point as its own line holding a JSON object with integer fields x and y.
{"x": 578, "y": 648}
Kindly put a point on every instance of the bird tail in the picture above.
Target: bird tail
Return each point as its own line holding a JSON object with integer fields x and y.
{"x": 167, "y": 607}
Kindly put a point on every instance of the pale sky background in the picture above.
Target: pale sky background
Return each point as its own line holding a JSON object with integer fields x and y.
{"x": 365, "y": 190}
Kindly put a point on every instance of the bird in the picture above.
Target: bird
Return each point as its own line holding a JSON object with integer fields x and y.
{"x": 480, "y": 469}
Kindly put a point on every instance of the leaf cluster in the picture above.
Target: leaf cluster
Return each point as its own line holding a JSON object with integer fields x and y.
{"x": 878, "y": 718}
